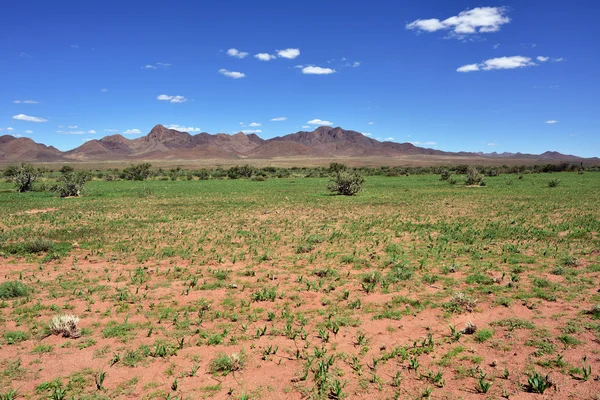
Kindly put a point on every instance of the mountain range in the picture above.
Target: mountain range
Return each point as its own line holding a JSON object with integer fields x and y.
{"x": 163, "y": 144}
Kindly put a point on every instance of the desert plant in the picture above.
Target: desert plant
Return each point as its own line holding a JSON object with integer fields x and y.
{"x": 65, "y": 325}
{"x": 224, "y": 364}
{"x": 553, "y": 182}
{"x": 70, "y": 184}
{"x": 22, "y": 176}
{"x": 474, "y": 178}
{"x": 445, "y": 175}
{"x": 13, "y": 289}
{"x": 137, "y": 172}
{"x": 538, "y": 383}
{"x": 346, "y": 183}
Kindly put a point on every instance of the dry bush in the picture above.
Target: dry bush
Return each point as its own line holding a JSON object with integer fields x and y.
{"x": 65, "y": 325}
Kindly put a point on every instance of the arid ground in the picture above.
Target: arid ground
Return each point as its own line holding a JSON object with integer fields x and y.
{"x": 235, "y": 289}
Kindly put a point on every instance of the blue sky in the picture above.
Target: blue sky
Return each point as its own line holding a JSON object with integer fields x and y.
{"x": 452, "y": 75}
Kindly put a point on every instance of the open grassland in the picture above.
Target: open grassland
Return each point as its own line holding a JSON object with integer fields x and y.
{"x": 276, "y": 289}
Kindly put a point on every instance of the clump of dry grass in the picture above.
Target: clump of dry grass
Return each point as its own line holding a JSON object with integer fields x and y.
{"x": 65, "y": 325}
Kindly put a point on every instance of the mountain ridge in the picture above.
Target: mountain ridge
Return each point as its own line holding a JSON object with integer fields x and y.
{"x": 162, "y": 143}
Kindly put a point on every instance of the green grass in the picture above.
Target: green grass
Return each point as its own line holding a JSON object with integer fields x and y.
{"x": 13, "y": 289}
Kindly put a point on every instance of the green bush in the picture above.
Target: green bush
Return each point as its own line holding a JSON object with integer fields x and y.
{"x": 70, "y": 184}
{"x": 553, "y": 182}
{"x": 13, "y": 289}
{"x": 137, "y": 172}
{"x": 346, "y": 183}
{"x": 474, "y": 178}
{"x": 22, "y": 176}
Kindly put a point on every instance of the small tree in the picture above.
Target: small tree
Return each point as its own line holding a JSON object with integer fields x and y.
{"x": 22, "y": 176}
{"x": 137, "y": 172}
{"x": 70, "y": 184}
{"x": 445, "y": 175}
{"x": 337, "y": 167}
{"x": 346, "y": 183}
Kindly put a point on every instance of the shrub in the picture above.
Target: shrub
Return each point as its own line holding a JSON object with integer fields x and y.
{"x": 445, "y": 175}
{"x": 474, "y": 178}
{"x": 22, "y": 176}
{"x": 225, "y": 364}
{"x": 243, "y": 171}
{"x": 70, "y": 184}
{"x": 137, "y": 172}
{"x": 553, "y": 182}
{"x": 65, "y": 325}
{"x": 346, "y": 183}
{"x": 337, "y": 167}
{"x": 13, "y": 289}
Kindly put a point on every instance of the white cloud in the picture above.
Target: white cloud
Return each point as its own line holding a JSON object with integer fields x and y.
{"x": 72, "y": 132}
{"x": 10, "y": 129}
{"x": 104, "y": 90}
{"x": 279, "y": 119}
{"x": 236, "y": 53}
{"x": 25, "y": 102}
{"x": 423, "y": 143}
{"x": 18, "y": 135}
{"x": 492, "y": 144}
{"x": 157, "y": 65}
{"x": 254, "y": 124}
{"x": 356, "y": 64}
{"x": 251, "y": 131}
{"x": 558, "y": 59}
{"x": 318, "y": 121}
{"x": 367, "y": 134}
{"x": 371, "y": 123}
{"x": 232, "y": 74}
{"x": 542, "y": 58}
{"x": 288, "y": 53}
{"x": 496, "y": 46}
{"x": 499, "y": 63}
{"x": 305, "y": 126}
{"x": 311, "y": 70}
{"x": 468, "y": 68}
{"x": 388, "y": 139}
{"x": 552, "y": 121}
{"x": 86, "y": 139}
{"x": 73, "y": 127}
{"x": 109, "y": 130}
{"x": 23, "y": 117}
{"x": 265, "y": 56}
{"x": 477, "y": 20}
{"x": 28, "y": 131}
{"x": 91, "y": 132}
{"x": 132, "y": 132}
{"x": 171, "y": 99}
{"x": 181, "y": 128}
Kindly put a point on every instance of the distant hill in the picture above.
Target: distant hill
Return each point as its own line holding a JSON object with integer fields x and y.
{"x": 168, "y": 144}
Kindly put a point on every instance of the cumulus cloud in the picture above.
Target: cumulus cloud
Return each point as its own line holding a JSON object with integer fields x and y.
{"x": 182, "y": 128}
{"x": 10, "y": 129}
{"x": 542, "y": 58}
{"x": 371, "y": 123}
{"x": 23, "y": 117}
{"x": 132, "y": 132}
{"x": 251, "y": 131}
{"x": 492, "y": 144}
{"x": 499, "y": 63}
{"x": 236, "y": 53}
{"x": 279, "y": 119}
{"x": 254, "y": 124}
{"x": 552, "y": 121}
{"x": 305, "y": 127}
{"x": 477, "y": 20}
{"x": 355, "y": 64}
{"x": 25, "y": 102}
{"x": 171, "y": 99}
{"x": 318, "y": 121}
{"x": 265, "y": 56}
{"x": 29, "y": 131}
{"x": 73, "y": 127}
{"x": 312, "y": 70}
{"x": 367, "y": 134}
{"x": 91, "y": 132}
{"x": 232, "y": 74}
{"x": 288, "y": 53}
{"x": 388, "y": 139}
